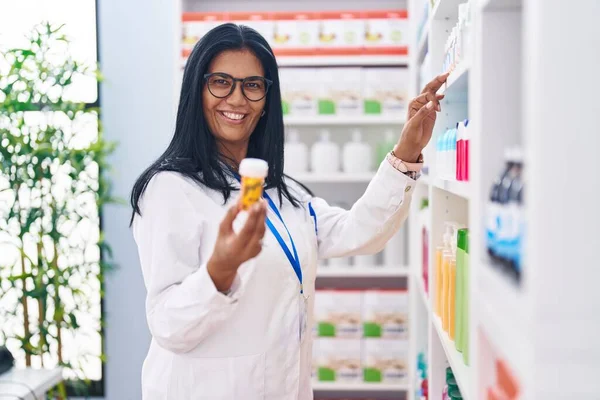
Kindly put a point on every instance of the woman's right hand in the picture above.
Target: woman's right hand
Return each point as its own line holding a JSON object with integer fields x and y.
{"x": 231, "y": 249}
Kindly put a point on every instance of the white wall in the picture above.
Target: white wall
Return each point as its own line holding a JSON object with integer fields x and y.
{"x": 138, "y": 56}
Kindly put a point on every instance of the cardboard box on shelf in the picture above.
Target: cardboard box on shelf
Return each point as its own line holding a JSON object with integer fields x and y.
{"x": 261, "y": 22}
{"x": 341, "y": 30}
{"x": 385, "y": 314}
{"x": 196, "y": 25}
{"x": 385, "y": 91}
{"x": 387, "y": 30}
{"x": 338, "y": 360}
{"x": 340, "y": 91}
{"x": 338, "y": 313}
{"x": 299, "y": 89}
{"x": 295, "y": 33}
{"x": 385, "y": 360}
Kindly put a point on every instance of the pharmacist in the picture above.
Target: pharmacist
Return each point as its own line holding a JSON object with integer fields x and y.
{"x": 230, "y": 294}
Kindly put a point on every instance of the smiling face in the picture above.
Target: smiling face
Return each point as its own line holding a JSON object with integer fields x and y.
{"x": 232, "y": 119}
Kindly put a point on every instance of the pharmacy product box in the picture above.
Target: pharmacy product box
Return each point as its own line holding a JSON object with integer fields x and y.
{"x": 295, "y": 33}
{"x": 385, "y": 360}
{"x": 340, "y": 91}
{"x": 261, "y": 22}
{"x": 299, "y": 91}
{"x": 385, "y": 314}
{"x": 341, "y": 31}
{"x": 339, "y": 360}
{"x": 338, "y": 313}
{"x": 385, "y": 91}
{"x": 196, "y": 25}
{"x": 387, "y": 31}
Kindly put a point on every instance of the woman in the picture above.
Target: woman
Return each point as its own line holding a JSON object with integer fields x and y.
{"x": 229, "y": 300}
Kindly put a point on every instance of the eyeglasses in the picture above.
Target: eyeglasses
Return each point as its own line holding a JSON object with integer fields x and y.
{"x": 221, "y": 85}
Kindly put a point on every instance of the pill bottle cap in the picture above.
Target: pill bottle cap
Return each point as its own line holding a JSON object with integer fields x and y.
{"x": 254, "y": 168}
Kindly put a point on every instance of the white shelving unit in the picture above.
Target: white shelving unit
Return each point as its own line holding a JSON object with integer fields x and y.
{"x": 515, "y": 88}
{"x": 377, "y": 271}
{"x": 344, "y": 120}
{"x": 358, "y": 387}
{"x": 345, "y": 61}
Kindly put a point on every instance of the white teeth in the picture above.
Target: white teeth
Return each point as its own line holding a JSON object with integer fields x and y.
{"x": 233, "y": 115}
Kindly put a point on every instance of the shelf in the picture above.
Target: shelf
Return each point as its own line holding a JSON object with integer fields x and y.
{"x": 457, "y": 85}
{"x": 446, "y": 10}
{"x": 343, "y": 120}
{"x": 455, "y": 359}
{"x": 457, "y": 188}
{"x": 501, "y": 311}
{"x": 338, "y": 177}
{"x": 359, "y": 387}
{"x": 346, "y": 60}
{"x": 501, "y": 5}
{"x": 362, "y": 272}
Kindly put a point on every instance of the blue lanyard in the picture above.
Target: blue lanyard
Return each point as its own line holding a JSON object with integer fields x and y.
{"x": 293, "y": 259}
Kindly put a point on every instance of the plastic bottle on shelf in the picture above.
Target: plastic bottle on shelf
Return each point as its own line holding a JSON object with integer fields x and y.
{"x": 465, "y": 150}
{"x": 461, "y": 260}
{"x": 356, "y": 155}
{"x": 296, "y": 154}
{"x": 465, "y": 302}
{"x": 440, "y": 252}
{"x": 439, "y": 162}
{"x": 325, "y": 155}
{"x": 452, "y": 288}
{"x": 452, "y": 154}
{"x": 448, "y": 155}
{"x": 515, "y": 217}
{"x": 494, "y": 210}
{"x": 460, "y": 151}
{"x": 385, "y": 146}
{"x": 506, "y": 228}
{"x": 446, "y": 260}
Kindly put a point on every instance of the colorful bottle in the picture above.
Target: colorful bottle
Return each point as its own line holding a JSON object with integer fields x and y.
{"x": 253, "y": 172}
{"x": 441, "y": 253}
{"x": 465, "y": 152}
{"x": 452, "y": 154}
{"x": 446, "y": 260}
{"x": 465, "y": 301}
{"x": 460, "y": 290}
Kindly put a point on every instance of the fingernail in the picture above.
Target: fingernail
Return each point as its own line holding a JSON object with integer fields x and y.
{"x": 429, "y": 105}
{"x": 256, "y": 207}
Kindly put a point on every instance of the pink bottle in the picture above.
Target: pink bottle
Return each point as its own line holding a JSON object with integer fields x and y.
{"x": 466, "y": 151}
{"x": 459, "y": 151}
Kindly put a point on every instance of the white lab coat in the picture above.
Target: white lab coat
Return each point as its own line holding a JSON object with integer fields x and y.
{"x": 206, "y": 345}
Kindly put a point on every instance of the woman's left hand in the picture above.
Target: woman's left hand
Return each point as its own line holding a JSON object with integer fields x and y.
{"x": 420, "y": 121}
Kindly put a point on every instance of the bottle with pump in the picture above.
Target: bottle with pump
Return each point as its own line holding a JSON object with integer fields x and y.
{"x": 325, "y": 155}
{"x": 461, "y": 277}
{"x": 452, "y": 287}
{"x": 296, "y": 154}
{"x": 356, "y": 155}
{"x": 446, "y": 260}
{"x": 440, "y": 253}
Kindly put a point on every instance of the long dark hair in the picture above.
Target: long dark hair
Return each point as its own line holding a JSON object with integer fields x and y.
{"x": 193, "y": 149}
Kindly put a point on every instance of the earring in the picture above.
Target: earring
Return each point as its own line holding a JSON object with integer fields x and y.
{"x": 262, "y": 114}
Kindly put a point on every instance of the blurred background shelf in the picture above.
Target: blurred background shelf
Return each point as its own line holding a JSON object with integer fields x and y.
{"x": 343, "y": 120}
{"x": 334, "y": 178}
{"x": 359, "y": 387}
{"x": 362, "y": 272}
{"x": 342, "y": 60}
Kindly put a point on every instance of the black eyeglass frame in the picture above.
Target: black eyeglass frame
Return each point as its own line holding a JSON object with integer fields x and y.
{"x": 235, "y": 80}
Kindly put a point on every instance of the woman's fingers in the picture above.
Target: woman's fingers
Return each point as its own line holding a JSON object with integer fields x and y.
{"x": 226, "y": 226}
{"x": 424, "y": 98}
{"x": 436, "y": 83}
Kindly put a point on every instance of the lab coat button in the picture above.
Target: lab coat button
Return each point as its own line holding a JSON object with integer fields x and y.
{"x": 408, "y": 188}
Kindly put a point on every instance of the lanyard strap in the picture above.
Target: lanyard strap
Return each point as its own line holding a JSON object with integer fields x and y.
{"x": 293, "y": 259}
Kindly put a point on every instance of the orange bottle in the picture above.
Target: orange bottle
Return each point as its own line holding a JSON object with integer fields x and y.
{"x": 452, "y": 298}
{"x": 253, "y": 172}
{"x": 438, "y": 280}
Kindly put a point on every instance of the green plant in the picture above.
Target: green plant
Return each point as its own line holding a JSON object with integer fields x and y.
{"x": 53, "y": 161}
